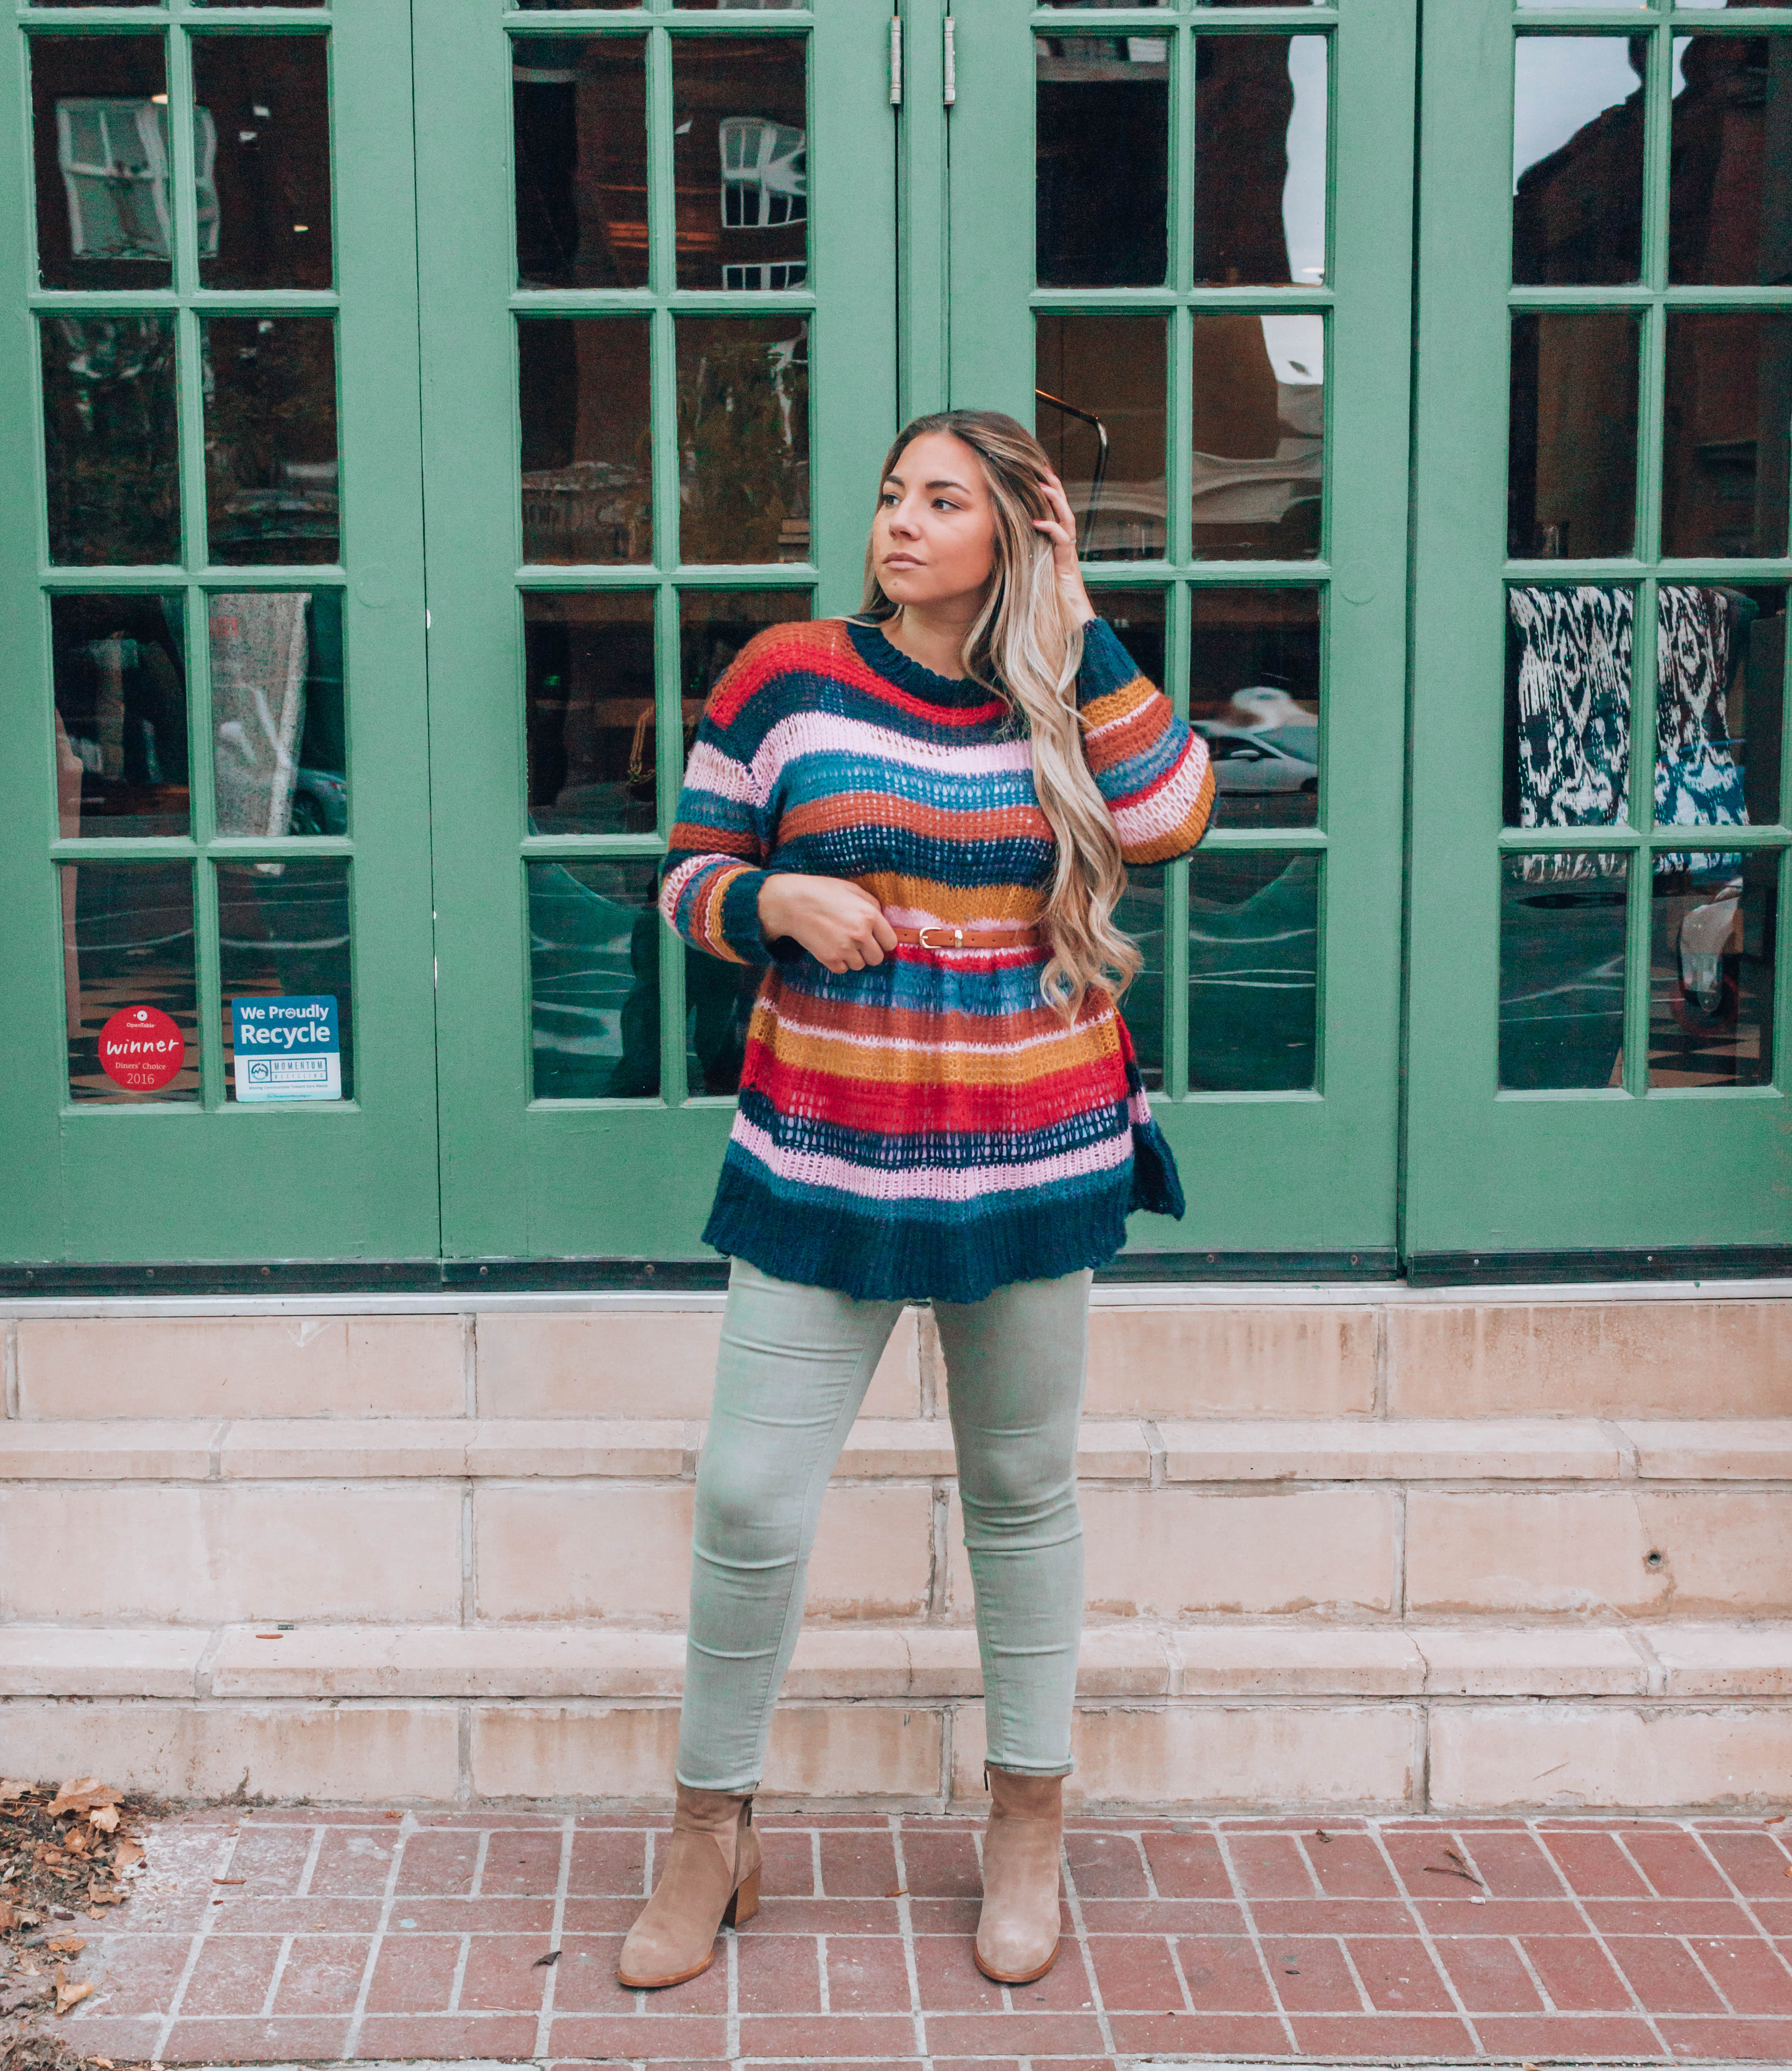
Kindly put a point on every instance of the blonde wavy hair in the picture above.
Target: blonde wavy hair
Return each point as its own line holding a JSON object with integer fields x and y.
{"x": 1024, "y": 648}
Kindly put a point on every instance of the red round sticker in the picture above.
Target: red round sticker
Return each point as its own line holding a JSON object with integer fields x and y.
{"x": 141, "y": 1048}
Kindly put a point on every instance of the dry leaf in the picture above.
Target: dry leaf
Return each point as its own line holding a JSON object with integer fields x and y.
{"x": 9, "y": 1919}
{"x": 68, "y": 1994}
{"x": 66, "y": 1944}
{"x": 105, "y": 1818}
{"x": 126, "y": 1852}
{"x": 104, "y": 2063}
{"x": 9, "y": 1790}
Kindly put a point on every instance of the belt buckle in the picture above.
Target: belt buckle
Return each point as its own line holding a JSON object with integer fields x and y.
{"x": 958, "y": 935}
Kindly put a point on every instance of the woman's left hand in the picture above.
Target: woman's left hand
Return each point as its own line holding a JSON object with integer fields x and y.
{"x": 1060, "y": 529}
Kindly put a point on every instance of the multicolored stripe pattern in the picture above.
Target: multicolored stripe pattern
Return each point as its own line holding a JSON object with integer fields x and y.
{"x": 928, "y": 1126}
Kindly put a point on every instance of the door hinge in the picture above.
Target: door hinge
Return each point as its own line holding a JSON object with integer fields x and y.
{"x": 896, "y": 60}
{"x": 949, "y": 93}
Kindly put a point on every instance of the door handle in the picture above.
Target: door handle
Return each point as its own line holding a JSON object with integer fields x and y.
{"x": 949, "y": 92}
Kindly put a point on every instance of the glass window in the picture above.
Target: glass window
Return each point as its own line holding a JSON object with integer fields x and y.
{"x": 1140, "y": 914}
{"x": 100, "y": 136}
{"x": 1561, "y": 970}
{"x": 108, "y": 436}
{"x": 1720, "y": 674}
{"x": 1730, "y": 202}
{"x": 1260, "y": 160}
{"x": 120, "y": 666}
{"x": 1259, "y": 434}
{"x": 1577, "y": 130}
{"x": 264, "y": 199}
{"x": 587, "y": 439}
{"x": 279, "y": 744}
{"x": 286, "y": 974}
{"x": 270, "y": 439}
{"x": 743, "y": 438}
{"x": 1723, "y": 463}
{"x": 740, "y": 160}
{"x": 715, "y": 624}
{"x": 588, "y": 669}
{"x": 130, "y": 977}
{"x": 579, "y": 111}
{"x": 1253, "y": 969}
{"x": 1254, "y": 693}
{"x": 1714, "y": 923}
{"x": 1568, "y": 704}
{"x": 1103, "y": 139}
{"x": 1137, "y": 615}
{"x": 594, "y": 936}
{"x": 1571, "y": 485}
{"x": 1102, "y": 388}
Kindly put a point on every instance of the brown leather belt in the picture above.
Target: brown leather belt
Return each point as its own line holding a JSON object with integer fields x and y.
{"x": 944, "y": 936}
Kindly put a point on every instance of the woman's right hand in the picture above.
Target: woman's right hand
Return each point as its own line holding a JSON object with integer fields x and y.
{"x": 838, "y": 923}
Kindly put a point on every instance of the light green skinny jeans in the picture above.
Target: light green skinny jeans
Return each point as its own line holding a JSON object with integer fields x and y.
{"x": 795, "y": 1363}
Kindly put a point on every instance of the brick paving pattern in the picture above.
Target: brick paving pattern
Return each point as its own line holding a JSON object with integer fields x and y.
{"x": 288, "y": 1935}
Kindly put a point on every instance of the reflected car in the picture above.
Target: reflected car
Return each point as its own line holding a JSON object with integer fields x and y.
{"x": 1281, "y": 758}
{"x": 320, "y": 803}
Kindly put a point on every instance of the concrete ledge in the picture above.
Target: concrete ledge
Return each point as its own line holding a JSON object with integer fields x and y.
{"x": 1418, "y": 1449}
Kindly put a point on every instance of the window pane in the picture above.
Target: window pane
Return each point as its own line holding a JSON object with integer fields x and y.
{"x": 587, "y": 449}
{"x": 589, "y": 668}
{"x": 594, "y": 934}
{"x": 1724, "y": 466}
{"x": 1714, "y": 924}
{"x": 284, "y": 960}
{"x": 1260, "y": 160}
{"x": 1568, "y": 705}
{"x": 280, "y": 753}
{"x": 1103, "y": 379}
{"x": 108, "y": 438}
{"x": 1103, "y": 160}
{"x": 270, "y": 439}
{"x": 1721, "y": 667}
{"x": 132, "y": 1001}
{"x": 1259, "y": 430}
{"x": 1571, "y": 486}
{"x": 100, "y": 136}
{"x": 718, "y": 1006}
{"x": 583, "y": 3}
{"x": 1561, "y": 970}
{"x": 1254, "y": 968}
{"x": 1140, "y": 914}
{"x": 742, "y": 179}
{"x": 580, "y": 107}
{"x": 121, "y": 691}
{"x": 262, "y": 151}
{"x": 1254, "y": 693}
{"x": 743, "y": 438}
{"x": 1730, "y": 205}
{"x": 1137, "y": 615}
{"x": 1577, "y": 158}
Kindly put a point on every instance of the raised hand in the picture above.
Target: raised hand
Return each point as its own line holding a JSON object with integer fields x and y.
{"x": 838, "y": 923}
{"x": 1060, "y": 529}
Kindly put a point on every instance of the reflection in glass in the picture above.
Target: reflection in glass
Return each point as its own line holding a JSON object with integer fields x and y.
{"x": 1724, "y": 456}
{"x": 579, "y": 109}
{"x": 280, "y": 746}
{"x": 1259, "y": 433}
{"x": 1561, "y": 970}
{"x": 1577, "y": 125}
{"x": 740, "y": 160}
{"x": 270, "y": 439}
{"x": 264, "y": 217}
{"x": 1730, "y": 199}
{"x": 100, "y": 137}
{"x": 1253, "y": 970}
{"x": 1571, "y": 485}
{"x": 718, "y": 1005}
{"x": 1103, "y": 139}
{"x": 1714, "y": 928}
{"x": 1254, "y": 693}
{"x": 1111, "y": 369}
{"x": 588, "y": 680}
{"x": 128, "y": 944}
{"x": 594, "y": 934}
{"x": 283, "y": 932}
{"x": 1137, "y": 615}
{"x": 1568, "y": 705}
{"x": 587, "y": 450}
{"x": 1720, "y": 703}
{"x": 743, "y": 438}
{"x": 578, "y": 3}
{"x": 1140, "y": 914}
{"x": 108, "y": 439}
{"x": 157, "y": 3}
{"x": 1260, "y": 160}
{"x": 121, "y": 689}
{"x": 715, "y": 624}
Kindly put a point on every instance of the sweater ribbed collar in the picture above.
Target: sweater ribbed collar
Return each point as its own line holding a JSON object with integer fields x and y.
{"x": 909, "y": 675}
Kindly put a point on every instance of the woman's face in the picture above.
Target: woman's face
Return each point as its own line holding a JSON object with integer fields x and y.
{"x": 933, "y": 539}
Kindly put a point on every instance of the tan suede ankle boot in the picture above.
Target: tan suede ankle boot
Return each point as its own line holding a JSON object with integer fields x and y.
{"x": 1017, "y": 1931}
{"x": 710, "y": 1882}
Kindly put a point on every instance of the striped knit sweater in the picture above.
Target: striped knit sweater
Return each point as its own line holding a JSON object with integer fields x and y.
{"x": 929, "y": 1125}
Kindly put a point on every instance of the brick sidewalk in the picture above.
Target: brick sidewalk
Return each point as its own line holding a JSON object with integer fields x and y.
{"x": 288, "y": 1935}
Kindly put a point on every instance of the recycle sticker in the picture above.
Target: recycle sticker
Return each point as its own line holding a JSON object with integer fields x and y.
{"x": 287, "y": 1049}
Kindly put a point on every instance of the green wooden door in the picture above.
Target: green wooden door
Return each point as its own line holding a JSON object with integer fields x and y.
{"x": 1600, "y": 841}
{"x": 657, "y": 256}
{"x": 215, "y": 789}
{"x": 1179, "y": 244}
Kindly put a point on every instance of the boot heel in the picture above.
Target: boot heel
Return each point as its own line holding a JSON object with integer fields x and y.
{"x": 744, "y": 1903}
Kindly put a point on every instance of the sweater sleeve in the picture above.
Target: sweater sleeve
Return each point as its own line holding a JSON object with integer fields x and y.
{"x": 1151, "y": 767}
{"x": 725, "y": 829}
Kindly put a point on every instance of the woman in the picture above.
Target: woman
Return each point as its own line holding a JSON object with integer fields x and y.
{"x": 920, "y": 819}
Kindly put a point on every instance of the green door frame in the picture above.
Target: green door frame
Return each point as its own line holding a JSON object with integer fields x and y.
{"x": 1620, "y": 1169}
{"x": 209, "y": 1179}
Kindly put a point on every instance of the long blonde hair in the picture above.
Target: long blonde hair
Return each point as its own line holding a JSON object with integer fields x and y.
{"x": 1024, "y": 647}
